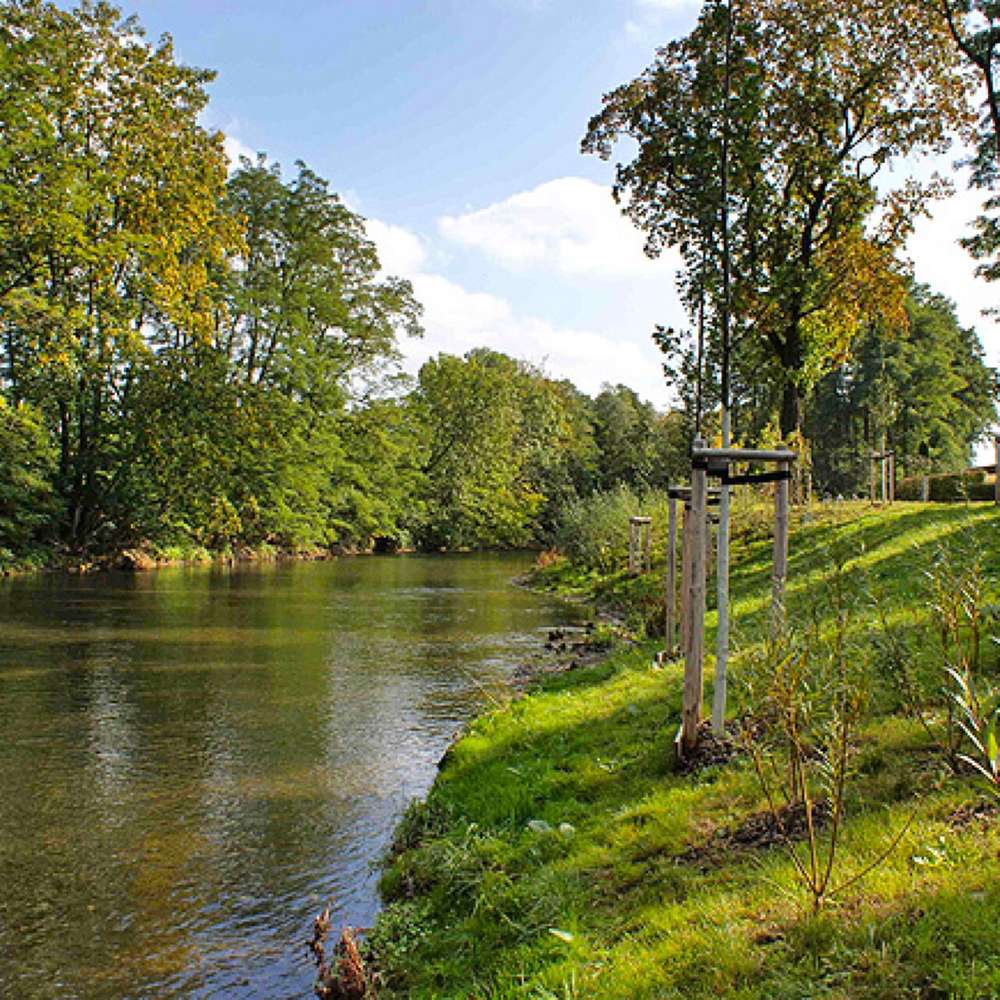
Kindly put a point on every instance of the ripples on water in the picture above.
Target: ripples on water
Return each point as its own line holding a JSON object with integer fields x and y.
{"x": 193, "y": 760}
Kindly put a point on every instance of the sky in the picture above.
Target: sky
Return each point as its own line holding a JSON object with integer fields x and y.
{"x": 454, "y": 127}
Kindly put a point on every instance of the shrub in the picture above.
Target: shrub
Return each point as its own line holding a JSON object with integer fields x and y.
{"x": 948, "y": 487}
{"x": 593, "y": 532}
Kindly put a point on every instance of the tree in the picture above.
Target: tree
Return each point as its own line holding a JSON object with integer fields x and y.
{"x": 28, "y": 503}
{"x": 110, "y": 213}
{"x": 262, "y": 433}
{"x": 636, "y": 446}
{"x": 974, "y": 28}
{"x": 925, "y": 386}
{"x": 824, "y": 111}
{"x": 306, "y": 308}
{"x": 507, "y": 449}
{"x": 477, "y": 491}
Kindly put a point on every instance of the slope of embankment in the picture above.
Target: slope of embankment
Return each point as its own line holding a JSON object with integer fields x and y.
{"x": 562, "y": 854}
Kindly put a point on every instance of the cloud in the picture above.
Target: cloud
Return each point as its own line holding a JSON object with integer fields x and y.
{"x": 650, "y": 16}
{"x": 940, "y": 261}
{"x": 456, "y": 320}
{"x": 235, "y": 149}
{"x": 399, "y": 250}
{"x": 570, "y": 225}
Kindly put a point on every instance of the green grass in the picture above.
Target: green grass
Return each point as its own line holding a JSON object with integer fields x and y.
{"x": 475, "y": 888}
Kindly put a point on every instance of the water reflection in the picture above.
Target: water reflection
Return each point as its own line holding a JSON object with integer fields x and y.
{"x": 193, "y": 760}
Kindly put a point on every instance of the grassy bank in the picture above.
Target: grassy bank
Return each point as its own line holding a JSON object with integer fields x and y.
{"x": 562, "y": 854}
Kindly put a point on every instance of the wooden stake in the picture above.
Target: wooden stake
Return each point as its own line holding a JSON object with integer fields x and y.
{"x": 892, "y": 477}
{"x": 779, "y": 571}
{"x": 686, "y": 580}
{"x": 722, "y": 595}
{"x": 925, "y": 489}
{"x": 996, "y": 471}
{"x": 722, "y": 606}
{"x": 885, "y": 480}
{"x": 694, "y": 664}
{"x": 671, "y": 574}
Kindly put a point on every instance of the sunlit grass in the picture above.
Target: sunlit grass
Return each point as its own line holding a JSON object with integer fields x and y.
{"x": 561, "y": 811}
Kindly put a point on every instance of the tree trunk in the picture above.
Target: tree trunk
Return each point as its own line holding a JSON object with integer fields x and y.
{"x": 791, "y": 409}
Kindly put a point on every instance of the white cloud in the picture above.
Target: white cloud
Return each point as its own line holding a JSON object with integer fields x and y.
{"x": 399, "y": 250}
{"x": 456, "y": 320}
{"x": 649, "y": 17}
{"x": 942, "y": 263}
{"x": 570, "y": 225}
{"x": 235, "y": 149}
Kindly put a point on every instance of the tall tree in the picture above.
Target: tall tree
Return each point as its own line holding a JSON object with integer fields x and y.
{"x": 974, "y": 28}
{"x": 820, "y": 111}
{"x": 110, "y": 214}
{"x": 305, "y": 326}
{"x": 925, "y": 387}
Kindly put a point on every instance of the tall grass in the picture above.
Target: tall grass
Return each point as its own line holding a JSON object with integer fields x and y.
{"x": 593, "y": 531}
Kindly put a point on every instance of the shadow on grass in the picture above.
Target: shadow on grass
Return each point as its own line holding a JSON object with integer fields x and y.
{"x": 589, "y": 758}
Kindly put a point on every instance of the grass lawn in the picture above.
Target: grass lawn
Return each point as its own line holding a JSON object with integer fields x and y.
{"x": 561, "y": 854}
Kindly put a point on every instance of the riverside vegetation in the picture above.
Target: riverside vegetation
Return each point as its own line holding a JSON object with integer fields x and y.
{"x": 197, "y": 360}
{"x": 561, "y": 853}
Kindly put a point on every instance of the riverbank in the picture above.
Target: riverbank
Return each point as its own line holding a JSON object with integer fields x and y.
{"x": 142, "y": 559}
{"x": 561, "y": 853}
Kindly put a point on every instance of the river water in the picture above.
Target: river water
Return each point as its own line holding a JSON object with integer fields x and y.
{"x": 193, "y": 761}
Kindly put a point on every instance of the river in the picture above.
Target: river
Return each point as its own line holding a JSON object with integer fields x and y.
{"x": 194, "y": 760}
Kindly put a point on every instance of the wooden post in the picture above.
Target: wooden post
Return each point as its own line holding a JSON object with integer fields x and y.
{"x": 996, "y": 481}
{"x": 671, "y": 574}
{"x": 648, "y": 553}
{"x": 631, "y": 547}
{"x": 925, "y": 489}
{"x": 686, "y": 580}
{"x": 709, "y": 551}
{"x": 892, "y": 477}
{"x": 722, "y": 608}
{"x": 780, "y": 568}
{"x": 885, "y": 482}
{"x": 694, "y": 664}
{"x": 871, "y": 479}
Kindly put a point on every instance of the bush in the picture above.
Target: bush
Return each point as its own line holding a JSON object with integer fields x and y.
{"x": 28, "y": 501}
{"x": 948, "y": 487}
{"x": 593, "y": 532}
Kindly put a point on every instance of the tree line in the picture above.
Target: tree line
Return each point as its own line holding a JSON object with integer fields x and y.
{"x": 197, "y": 358}
{"x": 193, "y": 357}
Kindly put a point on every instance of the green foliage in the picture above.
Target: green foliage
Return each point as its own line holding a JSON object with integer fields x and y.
{"x": 507, "y": 449}
{"x": 951, "y": 692}
{"x": 805, "y": 695}
{"x": 636, "y": 446}
{"x": 947, "y": 488}
{"x": 804, "y": 104}
{"x": 924, "y": 385}
{"x": 28, "y": 503}
{"x": 594, "y": 531}
{"x": 109, "y": 192}
{"x": 979, "y": 720}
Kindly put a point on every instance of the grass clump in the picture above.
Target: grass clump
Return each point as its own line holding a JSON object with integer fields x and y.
{"x": 560, "y": 854}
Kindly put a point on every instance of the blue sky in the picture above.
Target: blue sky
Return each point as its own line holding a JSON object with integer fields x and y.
{"x": 454, "y": 127}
